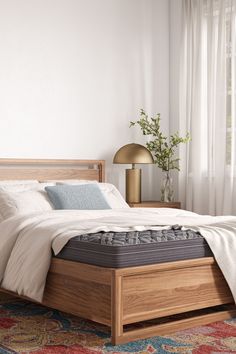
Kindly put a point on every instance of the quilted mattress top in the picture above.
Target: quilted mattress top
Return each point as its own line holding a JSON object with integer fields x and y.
{"x": 127, "y": 249}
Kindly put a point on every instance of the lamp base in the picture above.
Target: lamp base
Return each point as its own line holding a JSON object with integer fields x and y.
{"x": 133, "y": 185}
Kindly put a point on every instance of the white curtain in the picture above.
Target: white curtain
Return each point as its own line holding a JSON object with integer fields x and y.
{"x": 207, "y": 181}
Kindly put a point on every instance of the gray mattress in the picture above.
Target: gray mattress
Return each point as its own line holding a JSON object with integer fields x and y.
{"x": 126, "y": 249}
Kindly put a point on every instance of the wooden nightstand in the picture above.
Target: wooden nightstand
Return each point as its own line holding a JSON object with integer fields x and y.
{"x": 155, "y": 204}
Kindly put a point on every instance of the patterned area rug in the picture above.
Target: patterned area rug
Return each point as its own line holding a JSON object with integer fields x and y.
{"x": 28, "y": 328}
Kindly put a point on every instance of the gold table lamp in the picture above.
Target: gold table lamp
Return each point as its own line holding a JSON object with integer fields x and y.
{"x": 133, "y": 154}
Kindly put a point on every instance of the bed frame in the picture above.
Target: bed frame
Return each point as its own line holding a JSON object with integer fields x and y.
{"x": 125, "y": 296}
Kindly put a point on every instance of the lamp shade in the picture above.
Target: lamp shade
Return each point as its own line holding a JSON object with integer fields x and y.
{"x": 133, "y": 153}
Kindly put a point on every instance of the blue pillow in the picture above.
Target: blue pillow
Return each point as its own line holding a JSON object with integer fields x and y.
{"x": 80, "y": 197}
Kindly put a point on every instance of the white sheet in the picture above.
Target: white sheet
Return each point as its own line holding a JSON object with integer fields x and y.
{"x": 26, "y": 240}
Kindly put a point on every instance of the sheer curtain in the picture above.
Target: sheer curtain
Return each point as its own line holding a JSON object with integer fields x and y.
{"x": 207, "y": 180}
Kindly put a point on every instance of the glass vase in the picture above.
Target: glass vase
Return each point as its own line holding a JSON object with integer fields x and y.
{"x": 167, "y": 191}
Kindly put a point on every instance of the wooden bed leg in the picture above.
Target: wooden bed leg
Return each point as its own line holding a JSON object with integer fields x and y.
{"x": 116, "y": 308}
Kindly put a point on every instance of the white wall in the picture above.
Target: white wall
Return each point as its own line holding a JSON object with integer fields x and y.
{"x": 74, "y": 72}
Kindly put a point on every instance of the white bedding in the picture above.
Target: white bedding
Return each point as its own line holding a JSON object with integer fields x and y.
{"x": 26, "y": 240}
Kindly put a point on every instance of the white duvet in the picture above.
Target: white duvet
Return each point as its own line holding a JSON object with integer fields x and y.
{"x": 26, "y": 241}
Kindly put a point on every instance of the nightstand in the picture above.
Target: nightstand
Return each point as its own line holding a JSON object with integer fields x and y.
{"x": 155, "y": 204}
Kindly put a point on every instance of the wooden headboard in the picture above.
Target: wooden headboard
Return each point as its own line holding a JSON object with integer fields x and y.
{"x": 52, "y": 169}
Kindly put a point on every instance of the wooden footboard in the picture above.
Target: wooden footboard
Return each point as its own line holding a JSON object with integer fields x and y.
{"x": 119, "y": 297}
{"x": 157, "y": 291}
{"x": 79, "y": 289}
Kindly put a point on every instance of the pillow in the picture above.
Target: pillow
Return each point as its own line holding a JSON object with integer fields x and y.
{"x": 71, "y": 181}
{"x": 24, "y": 187}
{"x": 113, "y": 196}
{"x": 17, "y": 185}
{"x": 13, "y": 203}
{"x": 18, "y": 181}
{"x": 110, "y": 192}
{"x": 80, "y": 197}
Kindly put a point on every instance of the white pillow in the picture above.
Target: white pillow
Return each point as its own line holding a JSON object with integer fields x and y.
{"x": 18, "y": 181}
{"x": 24, "y": 187}
{"x": 42, "y": 185}
{"x": 113, "y": 196}
{"x": 71, "y": 181}
{"x": 27, "y": 201}
{"x": 17, "y": 186}
{"x": 110, "y": 192}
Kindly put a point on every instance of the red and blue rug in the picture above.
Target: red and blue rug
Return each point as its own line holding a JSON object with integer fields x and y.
{"x": 29, "y": 328}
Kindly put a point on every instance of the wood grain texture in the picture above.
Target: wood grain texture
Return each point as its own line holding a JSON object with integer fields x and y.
{"x": 155, "y": 204}
{"x": 116, "y": 307}
{"x": 36, "y": 162}
{"x": 81, "y": 271}
{"x": 116, "y": 297}
{"x": 174, "y": 326}
{"x": 52, "y": 169}
{"x": 79, "y": 289}
{"x": 120, "y": 296}
{"x": 160, "y": 290}
{"x": 159, "y": 294}
{"x": 166, "y": 266}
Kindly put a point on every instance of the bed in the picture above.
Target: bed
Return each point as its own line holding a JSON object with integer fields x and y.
{"x": 136, "y": 301}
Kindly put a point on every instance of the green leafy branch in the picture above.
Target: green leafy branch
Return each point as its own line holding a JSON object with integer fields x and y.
{"x": 162, "y": 148}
